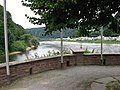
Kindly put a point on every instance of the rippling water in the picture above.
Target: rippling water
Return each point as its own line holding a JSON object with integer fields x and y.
{"x": 46, "y": 46}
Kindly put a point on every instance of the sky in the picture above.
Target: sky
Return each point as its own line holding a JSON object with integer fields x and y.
{"x": 18, "y": 13}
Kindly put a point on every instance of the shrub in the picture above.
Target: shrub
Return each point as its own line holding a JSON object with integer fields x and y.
{"x": 94, "y": 34}
{"x": 19, "y": 46}
{"x": 115, "y": 35}
{"x": 26, "y": 38}
{"x": 34, "y": 41}
{"x": 107, "y": 33}
{"x": 2, "y": 52}
{"x": 87, "y": 51}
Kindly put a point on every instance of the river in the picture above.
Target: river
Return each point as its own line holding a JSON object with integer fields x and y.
{"x": 46, "y": 46}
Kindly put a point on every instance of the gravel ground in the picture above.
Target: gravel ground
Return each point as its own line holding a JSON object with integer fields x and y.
{"x": 68, "y": 79}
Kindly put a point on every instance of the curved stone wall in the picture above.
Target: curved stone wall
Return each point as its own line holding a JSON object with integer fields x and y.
{"x": 24, "y": 68}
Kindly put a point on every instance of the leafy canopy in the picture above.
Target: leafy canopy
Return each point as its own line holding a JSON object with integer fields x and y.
{"x": 59, "y": 14}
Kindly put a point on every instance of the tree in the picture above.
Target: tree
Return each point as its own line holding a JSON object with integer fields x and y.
{"x": 108, "y": 33}
{"x": 34, "y": 41}
{"x": 27, "y": 38}
{"x": 59, "y": 14}
{"x": 94, "y": 34}
{"x": 115, "y": 24}
{"x": 14, "y": 33}
{"x": 19, "y": 46}
{"x": 83, "y": 31}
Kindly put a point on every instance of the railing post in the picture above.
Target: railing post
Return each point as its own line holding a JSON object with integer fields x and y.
{"x": 6, "y": 42}
{"x": 61, "y": 48}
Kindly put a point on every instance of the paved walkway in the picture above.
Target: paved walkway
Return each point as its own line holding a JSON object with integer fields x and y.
{"x": 68, "y": 79}
{"x": 103, "y": 82}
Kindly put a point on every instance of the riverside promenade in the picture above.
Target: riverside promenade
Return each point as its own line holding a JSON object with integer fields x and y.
{"x": 66, "y": 79}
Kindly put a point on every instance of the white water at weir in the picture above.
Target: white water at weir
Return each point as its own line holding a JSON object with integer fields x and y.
{"x": 46, "y": 46}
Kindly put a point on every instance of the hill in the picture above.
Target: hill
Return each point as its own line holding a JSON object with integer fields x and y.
{"x": 39, "y": 32}
{"x": 16, "y": 34}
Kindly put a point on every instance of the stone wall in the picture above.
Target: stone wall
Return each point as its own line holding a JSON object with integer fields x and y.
{"x": 94, "y": 59}
{"x": 24, "y": 68}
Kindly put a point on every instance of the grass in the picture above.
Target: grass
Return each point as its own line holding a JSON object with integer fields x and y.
{"x": 113, "y": 85}
{"x": 87, "y": 84}
{"x": 88, "y": 41}
{"x": 95, "y": 41}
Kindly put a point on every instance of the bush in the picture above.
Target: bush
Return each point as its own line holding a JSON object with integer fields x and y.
{"x": 94, "y": 34}
{"x": 26, "y": 38}
{"x": 115, "y": 35}
{"x": 107, "y": 33}
{"x": 34, "y": 41}
{"x": 19, "y": 46}
{"x": 87, "y": 51}
{"x": 2, "y": 52}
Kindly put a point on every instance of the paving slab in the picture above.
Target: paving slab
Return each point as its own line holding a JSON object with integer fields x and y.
{"x": 102, "y": 83}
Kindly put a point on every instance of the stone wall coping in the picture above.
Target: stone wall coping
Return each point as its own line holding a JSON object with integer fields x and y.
{"x": 33, "y": 60}
{"x": 98, "y": 54}
{"x": 2, "y": 65}
{"x": 78, "y": 50}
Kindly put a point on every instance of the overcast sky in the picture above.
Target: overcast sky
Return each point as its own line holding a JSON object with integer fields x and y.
{"x": 18, "y": 13}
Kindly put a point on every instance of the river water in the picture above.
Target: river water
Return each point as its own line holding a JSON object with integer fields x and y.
{"x": 49, "y": 46}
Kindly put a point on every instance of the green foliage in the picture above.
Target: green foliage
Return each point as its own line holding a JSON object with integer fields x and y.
{"x": 34, "y": 41}
{"x": 115, "y": 24}
{"x": 115, "y": 35}
{"x": 94, "y": 34}
{"x": 82, "y": 32}
{"x": 27, "y": 38}
{"x": 2, "y": 52}
{"x": 39, "y": 32}
{"x": 19, "y": 46}
{"x": 54, "y": 53}
{"x": 14, "y": 30}
{"x": 14, "y": 34}
{"x": 113, "y": 85}
{"x": 66, "y": 51}
{"x": 30, "y": 40}
{"x": 87, "y": 51}
{"x": 108, "y": 33}
{"x": 87, "y": 84}
{"x": 59, "y": 14}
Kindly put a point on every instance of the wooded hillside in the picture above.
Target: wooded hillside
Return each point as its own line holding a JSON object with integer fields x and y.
{"x": 16, "y": 35}
{"x": 39, "y": 32}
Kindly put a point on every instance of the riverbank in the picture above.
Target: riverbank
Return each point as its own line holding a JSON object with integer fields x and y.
{"x": 13, "y": 53}
{"x": 92, "y": 41}
{"x": 19, "y": 52}
{"x": 13, "y": 56}
{"x": 95, "y": 41}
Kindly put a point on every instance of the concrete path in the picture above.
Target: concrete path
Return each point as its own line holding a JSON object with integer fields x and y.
{"x": 68, "y": 79}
